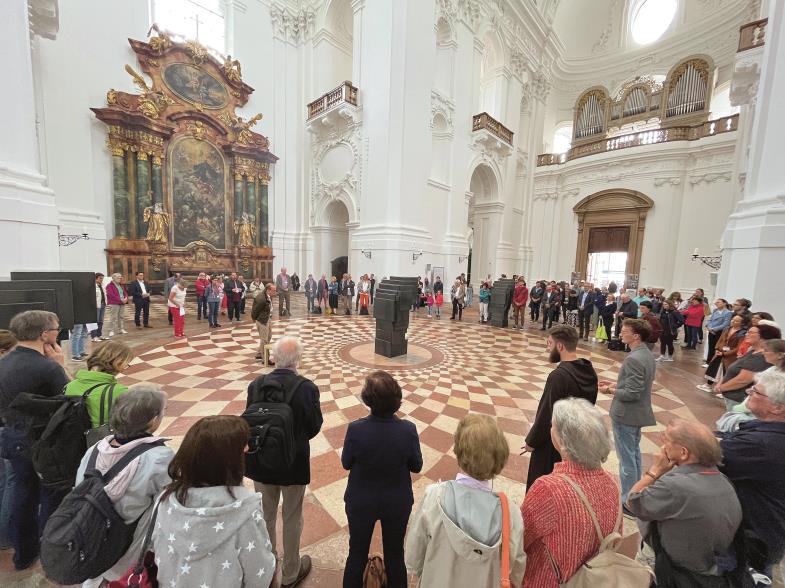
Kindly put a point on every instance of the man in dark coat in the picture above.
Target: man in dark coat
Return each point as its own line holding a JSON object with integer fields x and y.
{"x": 551, "y": 303}
{"x": 139, "y": 290}
{"x": 573, "y": 376}
{"x": 289, "y": 484}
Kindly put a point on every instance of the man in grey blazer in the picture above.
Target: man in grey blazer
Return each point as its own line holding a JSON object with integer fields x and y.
{"x": 631, "y": 406}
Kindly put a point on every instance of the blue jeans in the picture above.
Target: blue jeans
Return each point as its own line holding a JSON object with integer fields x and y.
{"x": 7, "y": 481}
{"x": 201, "y": 307}
{"x": 100, "y": 322}
{"x": 691, "y": 335}
{"x": 31, "y": 503}
{"x": 214, "y": 309}
{"x": 78, "y": 340}
{"x": 628, "y": 449}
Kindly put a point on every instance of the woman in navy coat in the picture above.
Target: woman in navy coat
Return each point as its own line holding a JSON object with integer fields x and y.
{"x": 380, "y": 451}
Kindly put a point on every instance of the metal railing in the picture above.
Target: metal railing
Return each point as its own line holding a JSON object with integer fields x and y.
{"x": 343, "y": 93}
{"x": 752, "y": 34}
{"x": 683, "y": 133}
{"x": 487, "y": 122}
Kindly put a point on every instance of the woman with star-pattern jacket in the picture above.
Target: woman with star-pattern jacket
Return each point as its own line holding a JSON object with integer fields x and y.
{"x": 210, "y": 531}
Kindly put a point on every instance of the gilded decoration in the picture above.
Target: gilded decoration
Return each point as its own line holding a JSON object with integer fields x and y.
{"x": 177, "y": 146}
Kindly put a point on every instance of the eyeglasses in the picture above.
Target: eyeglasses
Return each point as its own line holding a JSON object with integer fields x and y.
{"x": 754, "y": 390}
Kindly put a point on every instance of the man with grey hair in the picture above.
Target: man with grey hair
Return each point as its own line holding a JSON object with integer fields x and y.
{"x": 283, "y": 284}
{"x": 688, "y": 510}
{"x": 290, "y": 482}
{"x": 754, "y": 460}
{"x": 261, "y": 314}
{"x": 34, "y": 366}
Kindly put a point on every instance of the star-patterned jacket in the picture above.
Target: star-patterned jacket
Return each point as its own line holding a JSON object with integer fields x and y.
{"x": 216, "y": 540}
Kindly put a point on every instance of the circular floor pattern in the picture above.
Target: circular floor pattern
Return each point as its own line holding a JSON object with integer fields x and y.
{"x": 499, "y": 372}
{"x": 364, "y": 355}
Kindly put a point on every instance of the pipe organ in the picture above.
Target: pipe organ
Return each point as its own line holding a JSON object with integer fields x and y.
{"x": 683, "y": 98}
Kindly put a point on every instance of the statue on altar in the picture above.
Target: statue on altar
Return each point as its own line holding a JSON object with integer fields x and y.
{"x": 232, "y": 69}
{"x": 157, "y": 220}
{"x": 246, "y": 231}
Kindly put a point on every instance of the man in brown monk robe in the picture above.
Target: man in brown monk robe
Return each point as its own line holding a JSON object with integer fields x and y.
{"x": 573, "y": 376}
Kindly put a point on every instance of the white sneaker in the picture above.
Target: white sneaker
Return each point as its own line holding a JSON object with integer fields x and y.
{"x": 111, "y": 334}
{"x": 124, "y": 332}
{"x": 704, "y": 387}
{"x": 660, "y": 358}
{"x": 704, "y": 365}
{"x": 668, "y": 358}
{"x": 95, "y": 339}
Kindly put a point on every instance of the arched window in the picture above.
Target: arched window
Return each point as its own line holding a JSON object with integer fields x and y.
{"x": 562, "y": 138}
{"x": 650, "y": 19}
{"x": 198, "y": 20}
{"x": 720, "y": 102}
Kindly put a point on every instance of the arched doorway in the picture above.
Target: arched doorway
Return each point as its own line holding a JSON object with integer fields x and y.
{"x": 336, "y": 240}
{"x": 610, "y": 235}
{"x": 484, "y": 221}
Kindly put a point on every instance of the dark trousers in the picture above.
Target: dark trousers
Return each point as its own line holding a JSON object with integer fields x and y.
{"x": 201, "y": 307}
{"x": 31, "y": 502}
{"x": 242, "y": 305}
{"x": 691, "y": 336}
{"x": 712, "y": 344}
{"x": 666, "y": 343}
{"x": 715, "y": 363}
{"x": 393, "y": 519}
{"x": 534, "y": 311}
{"x": 372, "y": 289}
{"x": 548, "y": 316}
{"x": 457, "y": 308}
{"x": 100, "y": 322}
{"x": 584, "y": 321}
{"x": 607, "y": 322}
{"x": 234, "y": 309}
{"x": 142, "y": 308}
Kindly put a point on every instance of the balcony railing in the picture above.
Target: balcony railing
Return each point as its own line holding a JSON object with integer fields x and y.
{"x": 752, "y": 34}
{"x": 652, "y": 137}
{"x": 343, "y": 93}
{"x": 487, "y": 122}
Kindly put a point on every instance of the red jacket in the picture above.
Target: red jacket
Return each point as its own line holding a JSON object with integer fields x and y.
{"x": 521, "y": 295}
{"x": 693, "y": 315}
{"x": 115, "y": 293}
{"x": 201, "y": 285}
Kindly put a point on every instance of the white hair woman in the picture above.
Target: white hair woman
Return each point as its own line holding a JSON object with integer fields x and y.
{"x": 116, "y": 298}
{"x": 557, "y": 525}
{"x": 136, "y": 415}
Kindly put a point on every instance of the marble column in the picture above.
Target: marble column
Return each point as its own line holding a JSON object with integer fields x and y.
{"x": 120, "y": 192}
{"x": 143, "y": 192}
{"x": 158, "y": 189}
{"x": 753, "y": 244}
{"x": 28, "y": 212}
{"x": 250, "y": 200}
{"x": 264, "y": 212}
{"x": 239, "y": 200}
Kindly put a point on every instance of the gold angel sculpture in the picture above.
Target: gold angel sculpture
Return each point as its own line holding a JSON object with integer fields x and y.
{"x": 151, "y": 103}
{"x": 232, "y": 69}
{"x": 245, "y": 230}
{"x": 157, "y": 220}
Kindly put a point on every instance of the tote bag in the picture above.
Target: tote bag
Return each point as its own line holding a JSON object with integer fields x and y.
{"x": 601, "y": 334}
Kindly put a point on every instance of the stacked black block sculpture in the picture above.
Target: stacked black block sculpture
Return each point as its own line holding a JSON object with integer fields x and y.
{"x": 391, "y": 304}
{"x": 501, "y": 300}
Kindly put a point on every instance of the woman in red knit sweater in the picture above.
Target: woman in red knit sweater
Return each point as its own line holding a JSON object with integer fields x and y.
{"x": 555, "y": 520}
{"x": 693, "y": 319}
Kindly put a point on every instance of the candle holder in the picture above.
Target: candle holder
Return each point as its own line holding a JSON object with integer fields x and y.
{"x": 68, "y": 240}
{"x": 714, "y": 262}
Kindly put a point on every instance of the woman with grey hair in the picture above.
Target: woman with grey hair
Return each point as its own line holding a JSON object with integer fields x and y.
{"x": 558, "y": 530}
{"x": 136, "y": 416}
{"x": 116, "y": 298}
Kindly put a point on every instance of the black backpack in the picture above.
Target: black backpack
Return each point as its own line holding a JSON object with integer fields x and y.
{"x": 58, "y": 452}
{"x": 272, "y": 445}
{"x": 86, "y": 536}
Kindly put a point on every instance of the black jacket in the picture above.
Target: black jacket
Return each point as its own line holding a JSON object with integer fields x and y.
{"x": 589, "y": 301}
{"x": 380, "y": 453}
{"x": 135, "y": 291}
{"x": 307, "y": 423}
{"x": 262, "y": 306}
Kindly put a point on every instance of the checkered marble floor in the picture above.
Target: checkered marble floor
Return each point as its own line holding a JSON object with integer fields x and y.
{"x": 500, "y": 372}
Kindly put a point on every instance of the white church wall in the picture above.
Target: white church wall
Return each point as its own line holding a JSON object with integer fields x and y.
{"x": 689, "y": 183}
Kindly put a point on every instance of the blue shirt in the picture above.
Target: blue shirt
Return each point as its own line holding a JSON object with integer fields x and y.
{"x": 719, "y": 319}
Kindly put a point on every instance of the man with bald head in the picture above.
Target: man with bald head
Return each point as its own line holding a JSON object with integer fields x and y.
{"x": 688, "y": 509}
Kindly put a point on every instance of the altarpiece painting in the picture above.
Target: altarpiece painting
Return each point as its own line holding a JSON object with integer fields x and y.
{"x": 190, "y": 177}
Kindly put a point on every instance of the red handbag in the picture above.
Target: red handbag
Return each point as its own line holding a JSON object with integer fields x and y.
{"x": 144, "y": 573}
{"x": 505, "y": 567}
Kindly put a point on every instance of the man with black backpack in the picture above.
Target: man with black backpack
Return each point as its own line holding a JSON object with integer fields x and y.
{"x": 283, "y": 412}
{"x": 35, "y": 367}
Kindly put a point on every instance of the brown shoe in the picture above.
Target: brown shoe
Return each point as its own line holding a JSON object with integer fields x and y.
{"x": 305, "y": 569}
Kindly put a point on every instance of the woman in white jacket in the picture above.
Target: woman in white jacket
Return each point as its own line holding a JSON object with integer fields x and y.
{"x": 136, "y": 415}
{"x": 210, "y": 529}
{"x": 455, "y": 538}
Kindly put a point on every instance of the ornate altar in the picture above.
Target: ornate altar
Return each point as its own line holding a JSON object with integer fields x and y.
{"x": 190, "y": 177}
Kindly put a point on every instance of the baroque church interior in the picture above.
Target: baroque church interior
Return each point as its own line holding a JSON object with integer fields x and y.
{"x": 630, "y": 144}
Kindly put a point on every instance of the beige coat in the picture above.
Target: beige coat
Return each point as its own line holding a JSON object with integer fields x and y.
{"x": 442, "y": 554}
